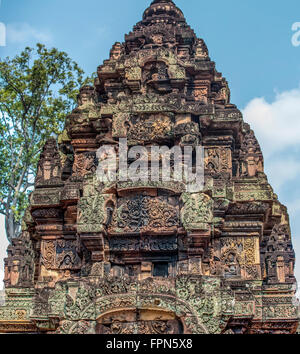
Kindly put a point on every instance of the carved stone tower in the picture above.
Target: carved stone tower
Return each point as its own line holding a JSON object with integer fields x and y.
{"x": 143, "y": 256}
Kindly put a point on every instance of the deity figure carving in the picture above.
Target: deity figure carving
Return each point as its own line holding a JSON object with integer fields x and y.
{"x": 151, "y": 255}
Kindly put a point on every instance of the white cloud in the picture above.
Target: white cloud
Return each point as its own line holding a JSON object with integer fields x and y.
{"x": 276, "y": 124}
{"x": 281, "y": 170}
{"x": 101, "y": 31}
{"x": 22, "y": 33}
{"x": 294, "y": 207}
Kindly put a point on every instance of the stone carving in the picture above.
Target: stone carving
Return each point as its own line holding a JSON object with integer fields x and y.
{"x": 60, "y": 254}
{"x": 49, "y": 166}
{"x": 147, "y": 244}
{"x": 19, "y": 265}
{"x": 67, "y": 254}
{"x": 218, "y": 162}
{"x": 197, "y": 211}
{"x": 85, "y": 163}
{"x": 48, "y": 254}
{"x": 252, "y": 159}
{"x": 141, "y": 327}
{"x": 144, "y": 213}
{"x": 201, "y": 51}
{"x": 278, "y": 256}
{"x": 86, "y": 96}
{"x": 91, "y": 214}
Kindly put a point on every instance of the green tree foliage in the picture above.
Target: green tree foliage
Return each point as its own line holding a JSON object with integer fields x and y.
{"x": 37, "y": 89}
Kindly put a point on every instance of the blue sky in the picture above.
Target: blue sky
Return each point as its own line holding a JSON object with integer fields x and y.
{"x": 249, "y": 40}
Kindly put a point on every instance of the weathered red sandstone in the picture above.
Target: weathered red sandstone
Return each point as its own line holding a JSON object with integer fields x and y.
{"x": 138, "y": 257}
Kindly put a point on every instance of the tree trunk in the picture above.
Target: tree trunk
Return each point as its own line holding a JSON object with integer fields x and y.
{"x": 10, "y": 227}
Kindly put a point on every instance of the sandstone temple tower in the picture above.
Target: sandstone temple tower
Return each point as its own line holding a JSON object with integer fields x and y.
{"x": 150, "y": 257}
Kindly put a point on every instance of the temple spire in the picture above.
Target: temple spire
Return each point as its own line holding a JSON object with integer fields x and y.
{"x": 100, "y": 253}
{"x": 161, "y": 1}
{"x": 162, "y": 10}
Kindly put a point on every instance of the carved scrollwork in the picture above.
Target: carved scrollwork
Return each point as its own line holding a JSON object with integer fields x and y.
{"x": 197, "y": 211}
